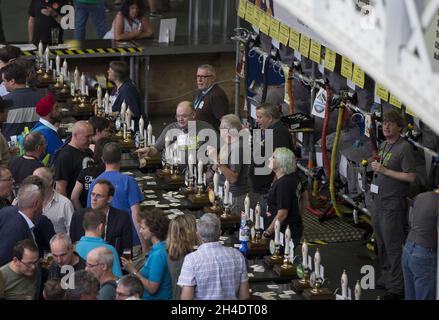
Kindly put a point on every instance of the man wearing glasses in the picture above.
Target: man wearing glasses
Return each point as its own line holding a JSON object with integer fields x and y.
{"x": 180, "y": 132}
{"x": 211, "y": 103}
{"x": 6, "y": 187}
{"x": 118, "y": 231}
{"x": 18, "y": 278}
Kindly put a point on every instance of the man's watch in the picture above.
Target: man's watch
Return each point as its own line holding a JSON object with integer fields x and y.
{"x": 266, "y": 234}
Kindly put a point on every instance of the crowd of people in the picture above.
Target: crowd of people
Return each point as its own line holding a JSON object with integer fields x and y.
{"x": 66, "y": 197}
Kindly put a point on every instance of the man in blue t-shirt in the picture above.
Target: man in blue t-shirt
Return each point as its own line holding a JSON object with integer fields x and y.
{"x": 94, "y": 225}
{"x": 127, "y": 196}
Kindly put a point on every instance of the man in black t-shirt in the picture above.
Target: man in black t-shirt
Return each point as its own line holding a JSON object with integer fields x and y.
{"x": 268, "y": 119}
{"x": 63, "y": 254}
{"x": 44, "y": 15}
{"x": 73, "y": 158}
{"x": 34, "y": 146}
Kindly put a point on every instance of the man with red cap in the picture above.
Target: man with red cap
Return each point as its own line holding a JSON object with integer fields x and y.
{"x": 50, "y": 117}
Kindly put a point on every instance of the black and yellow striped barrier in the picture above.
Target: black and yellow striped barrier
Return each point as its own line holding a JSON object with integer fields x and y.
{"x": 316, "y": 242}
{"x": 62, "y": 52}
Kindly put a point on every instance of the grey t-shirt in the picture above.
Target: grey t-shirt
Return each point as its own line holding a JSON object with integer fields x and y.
{"x": 199, "y": 125}
{"x": 398, "y": 157}
{"x": 107, "y": 290}
{"x": 236, "y": 163}
{"x": 424, "y": 220}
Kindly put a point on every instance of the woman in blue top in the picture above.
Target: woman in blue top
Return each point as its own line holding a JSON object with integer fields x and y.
{"x": 154, "y": 275}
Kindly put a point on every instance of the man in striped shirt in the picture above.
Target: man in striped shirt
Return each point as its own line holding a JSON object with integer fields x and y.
{"x": 213, "y": 272}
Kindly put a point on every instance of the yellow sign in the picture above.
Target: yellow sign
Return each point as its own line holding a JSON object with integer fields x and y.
{"x": 274, "y": 29}
{"x": 264, "y": 22}
{"x": 304, "y": 45}
{"x": 381, "y": 92}
{"x": 330, "y": 59}
{"x": 409, "y": 111}
{"x": 394, "y": 101}
{"x": 358, "y": 77}
{"x": 294, "y": 39}
{"x": 316, "y": 51}
{"x": 249, "y": 15}
{"x": 284, "y": 34}
{"x": 346, "y": 68}
{"x": 242, "y": 8}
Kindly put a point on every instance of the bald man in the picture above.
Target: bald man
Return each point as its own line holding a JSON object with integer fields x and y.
{"x": 56, "y": 207}
{"x": 182, "y": 131}
{"x": 100, "y": 263}
{"x": 73, "y": 158}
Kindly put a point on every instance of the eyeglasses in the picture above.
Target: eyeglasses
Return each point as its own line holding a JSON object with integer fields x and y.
{"x": 200, "y": 76}
{"x": 98, "y": 196}
{"x": 10, "y": 178}
{"x": 30, "y": 264}
{"x": 91, "y": 266}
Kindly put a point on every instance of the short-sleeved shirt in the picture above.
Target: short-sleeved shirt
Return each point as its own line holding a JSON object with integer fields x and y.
{"x": 284, "y": 194}
{"x": 215, "y": 271}
{"x": 199, "y": 125}
{"x": 424, "y": 220}
{"x": 211, "y": 105}
{"x": 87, "y": 244}
{"x": 235, "y": 162}
{"x": 107, "y": 290}
{"x": 126, "y": 195}
{"x": 42, "y": 23}
{"x": 55, "y": 269}
{"x": 17, "y": 286}
{"x": 22, "y": 167}
{"x": 281, "y": 138}
{"x": 398, "y": 157}
{"x": 86, "y": 178}
{"x": 69, "y": 163}
{"x": 156, "y": 270}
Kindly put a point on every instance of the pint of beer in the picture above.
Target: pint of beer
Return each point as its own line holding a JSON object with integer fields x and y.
{"x": 127, "y": 254}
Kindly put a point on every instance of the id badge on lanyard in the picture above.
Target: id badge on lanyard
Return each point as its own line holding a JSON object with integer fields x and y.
{"x": 111, "y": 101}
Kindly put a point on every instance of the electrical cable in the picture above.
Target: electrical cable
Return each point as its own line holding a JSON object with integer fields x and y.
{"x": 326, "y": 163}
{"x": 332, "y": 191}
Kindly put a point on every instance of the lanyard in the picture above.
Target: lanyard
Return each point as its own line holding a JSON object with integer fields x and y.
{"x": 201, "y": 96}
{"x": 388, "y": 151}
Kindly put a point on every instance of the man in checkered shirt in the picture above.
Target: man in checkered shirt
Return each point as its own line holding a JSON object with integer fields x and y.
{"x": 213, "y": 272}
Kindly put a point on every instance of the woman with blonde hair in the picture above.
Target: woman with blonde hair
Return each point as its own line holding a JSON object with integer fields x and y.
{"x": 182, "y": 238}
